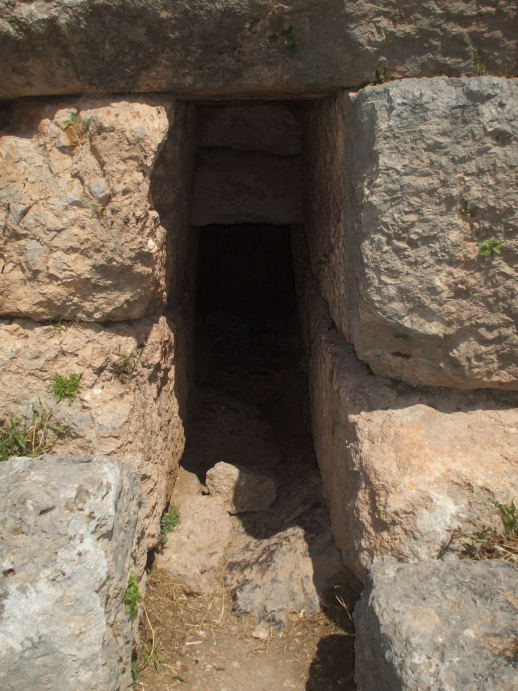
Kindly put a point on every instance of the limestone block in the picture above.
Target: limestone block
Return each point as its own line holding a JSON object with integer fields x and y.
{"x": 194, "y": 550}
{"x": 240, "y": 489}
{"x": 246, "y": 187}
{"x": 437, "y": 625}
{"x": 133, "y": 416}
{"x": 80, "y": 239}
{"x": 404, "y": 467}
{"x": 71, "y": 537}
{"x": 432, "y": 165}
{"x": 269, "y": 127}
{"x": 204, "y": 48}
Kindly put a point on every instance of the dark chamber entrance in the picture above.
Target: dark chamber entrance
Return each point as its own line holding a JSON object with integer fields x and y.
{"x": 249, "y": 407}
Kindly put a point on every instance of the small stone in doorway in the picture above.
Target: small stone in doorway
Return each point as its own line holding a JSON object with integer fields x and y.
{"x": 240, "y": 489}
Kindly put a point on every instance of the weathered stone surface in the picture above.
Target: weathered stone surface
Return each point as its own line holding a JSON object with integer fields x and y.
{"x": 240, "y": 489}
{"x": 430, "y": 162}
{"x": 186, "y": 486}
{"x": 70, "y": 540}
{"x": 134, "y": 416}
{"x": 200, "y": 48}
{"x": 271, "y": 128}
{"x": 402, "y": 467}
{"x": 291, "y": 571}
{"x": 246, "y": 187}
{"x": 80, "y": 239}
{"x": 437, "y": 625}
{"x": 194, "y": 550}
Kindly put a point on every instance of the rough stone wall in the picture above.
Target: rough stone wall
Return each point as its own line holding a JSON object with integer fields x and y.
{"x": 249, "y": 168}
{"x": 407, "y": 180}
{"x": 402, "y": 467}
{"x": 94, "y": 244}
{"x": 204, "y": 48}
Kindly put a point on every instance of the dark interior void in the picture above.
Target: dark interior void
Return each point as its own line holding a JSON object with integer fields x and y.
{"x": 247, "y": 350}
{"x": 246, "y": 316}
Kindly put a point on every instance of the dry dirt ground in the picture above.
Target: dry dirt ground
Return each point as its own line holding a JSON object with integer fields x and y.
{"x": 200, "y": 644}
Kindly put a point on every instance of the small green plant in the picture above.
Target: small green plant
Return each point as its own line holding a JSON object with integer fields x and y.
{"x": 100, "y": 211}
{"x": 168, "y": 523}
{"x": 79, "y": 126}
{"x": 324, "y": 259}
{"x": 478, "y": 65}
{"x": 28, "y": 436}
{"x": 508, "y": 516}
{"x": 401, "y": 335}
{"x": 66, "y": 387}
{"x": 286, "y": 37}
{"x": 489, "y": 543}
{"x": 490, "y": 248}
{"x": 382, "y": 75}
{"x": 132, "y": 596}
{"x": 126, "y": 364}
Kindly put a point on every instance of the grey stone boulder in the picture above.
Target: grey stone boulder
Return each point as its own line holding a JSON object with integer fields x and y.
{"x": 438, "y": 625}
{"x": 70, "y": 538}
{"x": 240, "y": 489}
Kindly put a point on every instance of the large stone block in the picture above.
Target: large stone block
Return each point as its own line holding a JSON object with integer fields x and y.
{"x": 70, "y": 540}
{"x": 437, "y": 625}
{"x": 409, "y": 179}
{"x": 269, "y": 127}
{"x": 205, "y": 48}
{"x": 432, "y": 167}
{"x": 402, "y": 467}
{"x": 80, "y": 239}
{"x": 129, "y": 401}
{"x": 247, "y": 187}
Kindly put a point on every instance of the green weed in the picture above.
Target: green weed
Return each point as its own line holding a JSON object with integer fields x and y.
{"x": 478, "y": 65}
{"x": 79, "y": 126}
{"x": 66, "y": 387}
{"x": 286, "y": 37}
{"x": 490, "y": 248}
{"x": 132, "y": 596}
{"x": 28, "y": 436}
{"x": 402, "y": 336}
{"x": 126, "y": 364}
{"x": 489, "y": 543}
{"x": 168, "y": 523}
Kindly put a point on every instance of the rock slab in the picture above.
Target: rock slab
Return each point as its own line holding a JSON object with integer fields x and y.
{"x": 194, "y": 550}
{"x": 411, "y": 179}
{"x": 239, "y": 488}
{"x": 70, "y": 539}
{"x": 80, "y": 238}
{"x": 224, "y": 48}
{"x": 438, "y": 626}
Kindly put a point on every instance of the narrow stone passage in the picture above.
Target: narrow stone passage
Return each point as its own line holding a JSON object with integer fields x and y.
{"x": 262, "y": 601}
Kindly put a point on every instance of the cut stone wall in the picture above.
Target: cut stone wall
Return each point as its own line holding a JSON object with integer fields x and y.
{"x": 133, "y": 417}
{"x": 95, "y": 249}
{"x": 249, "y": 168}
{"x": 402, "y": 467}
{"x": 410, "y": 178}
{"x": 200, "y": 49}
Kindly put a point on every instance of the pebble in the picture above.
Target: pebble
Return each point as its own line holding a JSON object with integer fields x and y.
{"x": 261, "y": 632}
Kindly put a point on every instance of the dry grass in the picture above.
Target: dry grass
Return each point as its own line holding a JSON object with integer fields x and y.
{"x": 490, "y": 543}
{"x": 196, "y": 642}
